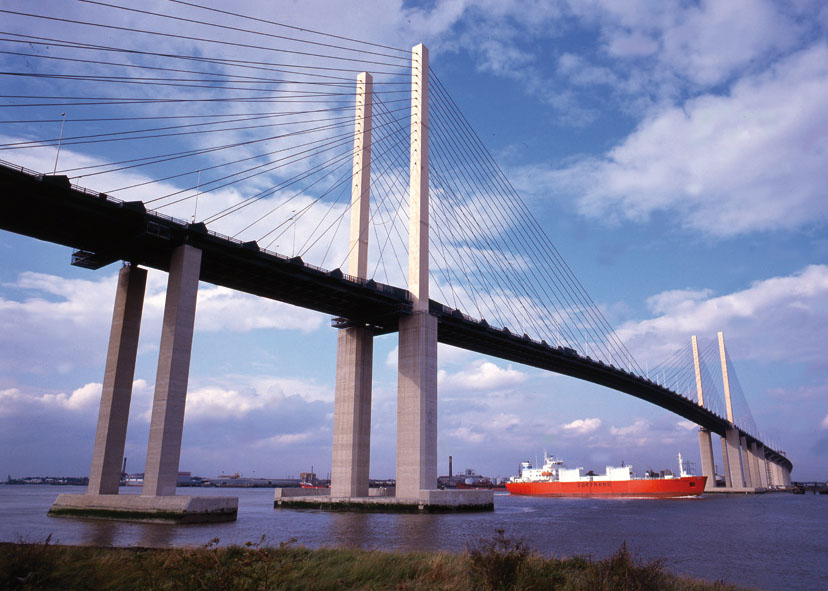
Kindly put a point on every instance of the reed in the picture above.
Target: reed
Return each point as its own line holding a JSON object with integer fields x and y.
{"x": 497, "y": 563}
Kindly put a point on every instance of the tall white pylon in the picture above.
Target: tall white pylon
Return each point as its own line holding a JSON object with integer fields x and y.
{"x": 350, "y": 462}
{"x": 417, "y": 365}
{"x": 705, "y": 439}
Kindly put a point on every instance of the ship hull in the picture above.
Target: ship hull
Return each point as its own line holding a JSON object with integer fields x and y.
{"x": 662, "y": 488}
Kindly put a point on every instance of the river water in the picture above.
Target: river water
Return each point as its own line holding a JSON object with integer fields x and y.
{"x": 772, "y": 542}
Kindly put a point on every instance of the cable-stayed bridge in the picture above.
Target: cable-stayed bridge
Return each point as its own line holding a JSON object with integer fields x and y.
{"x": 248, "y": 153}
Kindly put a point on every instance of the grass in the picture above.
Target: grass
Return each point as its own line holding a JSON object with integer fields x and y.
{"x": 498, "y": 563}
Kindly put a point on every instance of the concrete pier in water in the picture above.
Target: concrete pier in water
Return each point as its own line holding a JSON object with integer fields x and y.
{"x": 416, "y": 455}
{"x": 158, "y": 500}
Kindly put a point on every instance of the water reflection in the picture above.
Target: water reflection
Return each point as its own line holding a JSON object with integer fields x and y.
{"x": 99, "y": 532}
{"x": 353, "y": 530}
{"x": 154, "y": 535}
{"x": 415, "y": 531}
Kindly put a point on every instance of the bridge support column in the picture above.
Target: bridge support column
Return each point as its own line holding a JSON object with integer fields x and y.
{"x": 707, "y": 462}
{"x": 352, "y": 413}
{"x": 705, "y": 442}
{"x": 733, "y": 460}
{"x": 417, "y": 406}
{"x": 167, "y": 423}
{"x": 753, "y": 462}
{"x": 773, "y": 476}
{"x": 782, "y": 478}
{"x": 746, "y": 469}
{"x": 158, "y": 501}
{"x": 350, "y": 462}
{"x": 110, "y": 436}
{"x": 761, "y": 464}
{"x": 731, "y": 443}
{"x": 417, "y": 377}
{"x": 776, "y": 475}
{"x": 726, "y": 464}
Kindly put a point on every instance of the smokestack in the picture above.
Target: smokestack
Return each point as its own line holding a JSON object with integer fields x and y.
{"x": 450, "y": 473}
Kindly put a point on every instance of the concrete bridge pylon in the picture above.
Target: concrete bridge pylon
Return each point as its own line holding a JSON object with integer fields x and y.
{"x": 158, "y": 499}
{"x": 731, "y": 443}
{"x": 705, "y": 440}
{"x": 416, "y": 453}
{"x": 119, "y": 372}
{"x": 417, "y": 363}
{"x": 350, "y": 460}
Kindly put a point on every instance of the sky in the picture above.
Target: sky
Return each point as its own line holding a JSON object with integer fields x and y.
{"x": 675, "y": 152}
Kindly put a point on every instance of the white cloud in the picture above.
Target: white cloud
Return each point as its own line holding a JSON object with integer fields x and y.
{"x": 87, "y": 396}
{"x": 824, "y": 423}
{"x": 284, "y": 440}
{"x": 705, "y": 42}
{"x": 84, "y": 400}
{"x": 480, "y": 375}
{"x": 781, "y": 318}
{"x": 221, "y": 308}
{"x": 714, "y": 39}
{"x": 582, "y": 73}
{"x": 238, "y": 395}
{"x": 392, "y": 359}
{"x": 801, "y": 392}
{"x": 686, "y": 425}
{"x": 582, "y": 426}
{"x": 9, "y": 399}
{"x": 467, "y": 435}
{"x": 753, "y": 159}
{"x": 635, "y": 44}
{"x": 639, "y": 427}
{"x": 676, "y": 299}
{"x": 59, "y": 321}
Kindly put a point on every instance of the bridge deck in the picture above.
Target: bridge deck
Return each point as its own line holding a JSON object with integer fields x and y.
{"x": 105, "y": 230}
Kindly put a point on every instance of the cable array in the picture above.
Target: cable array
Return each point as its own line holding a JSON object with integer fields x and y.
{"x": 712, "y": 381}
{"x": 492, "y": 256}
{"x": 741, "y": 411}
{"x": 208, "y": 115}
{"x": 677, "y": 373}
{"x": 247, "y": 124}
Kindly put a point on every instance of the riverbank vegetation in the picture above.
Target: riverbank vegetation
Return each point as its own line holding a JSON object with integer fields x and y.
{"x": 493, "y": 564}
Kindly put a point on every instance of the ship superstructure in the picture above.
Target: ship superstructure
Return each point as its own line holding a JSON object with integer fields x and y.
{"x": 554, "y": 479}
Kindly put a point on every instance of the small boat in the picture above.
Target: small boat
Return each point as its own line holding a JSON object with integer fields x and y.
{"x": 553, "y": 479}
{"x": 311, "y": 485}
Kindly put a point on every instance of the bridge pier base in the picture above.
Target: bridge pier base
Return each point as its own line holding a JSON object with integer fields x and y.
{"x": 352, "y": 413}
{"x": 417, "y": 406}
{"x": 707, "y": 462}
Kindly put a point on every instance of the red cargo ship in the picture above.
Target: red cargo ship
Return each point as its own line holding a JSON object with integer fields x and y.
{"x": 554, "y": 480}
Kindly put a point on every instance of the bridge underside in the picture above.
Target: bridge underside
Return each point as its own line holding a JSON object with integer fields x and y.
{"x": 104, "y": 230}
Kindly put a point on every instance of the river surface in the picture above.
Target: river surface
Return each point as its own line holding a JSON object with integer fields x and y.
{"x": 772, "y": 542}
